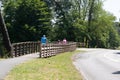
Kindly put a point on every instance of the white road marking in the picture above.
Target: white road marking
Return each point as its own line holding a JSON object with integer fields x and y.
{"x": 110, "y": 58}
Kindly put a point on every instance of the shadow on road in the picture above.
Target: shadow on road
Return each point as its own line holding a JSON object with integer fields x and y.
{"x": 117, "y": 72}
{"x": 118, "y": 53}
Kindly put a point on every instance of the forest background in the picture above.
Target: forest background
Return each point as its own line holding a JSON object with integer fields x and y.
{"x": 76, "y": 20}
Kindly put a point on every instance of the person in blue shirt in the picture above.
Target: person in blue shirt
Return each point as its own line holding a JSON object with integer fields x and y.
{"x": 43, "y": 40}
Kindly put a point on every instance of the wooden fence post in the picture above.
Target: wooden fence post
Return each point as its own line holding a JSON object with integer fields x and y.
{"x": 40, "y": 49}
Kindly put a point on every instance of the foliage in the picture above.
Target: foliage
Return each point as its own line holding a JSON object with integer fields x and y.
{"x": 76, "y": 20}
{"x": 3, "y": 51}
{"x": 27, "y": 19}
{"x": 93, "y": 24}
{"x": 114, "y": 40}
{"x": 1, "y": 47}
{"x": 63, "y": 20}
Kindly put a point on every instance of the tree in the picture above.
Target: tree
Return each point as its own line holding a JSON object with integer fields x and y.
{"x": 100, "y": 26}
{"x": 27, "y": 19}
{"x": 62, "y": 18}
{"x": 5, "y": 35}
{"x": 75, "y": 20}
{"x": 63, "y": 25}
{"x": 114, "y": 38}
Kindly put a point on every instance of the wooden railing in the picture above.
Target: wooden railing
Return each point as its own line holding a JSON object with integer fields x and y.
{"x": 23, "y": 48}
{"x": 47, "y": 50}
{"x": 54, "y": 49}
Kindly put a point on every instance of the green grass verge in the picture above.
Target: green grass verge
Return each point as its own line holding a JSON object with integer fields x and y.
{"x": 59, "y": 67}
{"x": 2, "y": 59}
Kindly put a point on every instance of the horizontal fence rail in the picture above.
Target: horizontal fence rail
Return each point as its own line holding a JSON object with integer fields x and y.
{"x": 51, "y": 49}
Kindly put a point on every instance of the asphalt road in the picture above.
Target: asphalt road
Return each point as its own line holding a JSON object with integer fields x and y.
{"x": 7, "y": 64}
{"x": 98, "y": 64}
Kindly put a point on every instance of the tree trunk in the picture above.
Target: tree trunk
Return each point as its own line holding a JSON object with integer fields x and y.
{"x": 6, "y": 39}
{"x": 90, "y": 16}
{"x": 90, "y": 12}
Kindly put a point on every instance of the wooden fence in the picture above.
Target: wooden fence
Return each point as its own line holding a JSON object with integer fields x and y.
{"x": 54, "y": 49}
{"x": 51, "y": 49}
{"x": 23, "y": 48}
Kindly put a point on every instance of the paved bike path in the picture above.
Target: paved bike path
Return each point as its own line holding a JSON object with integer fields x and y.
{"x": 8, "y": 64}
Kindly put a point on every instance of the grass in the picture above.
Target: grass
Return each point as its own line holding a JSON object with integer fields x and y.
{"x": 59, "y": 67}
{"x": 2, "y": 59}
